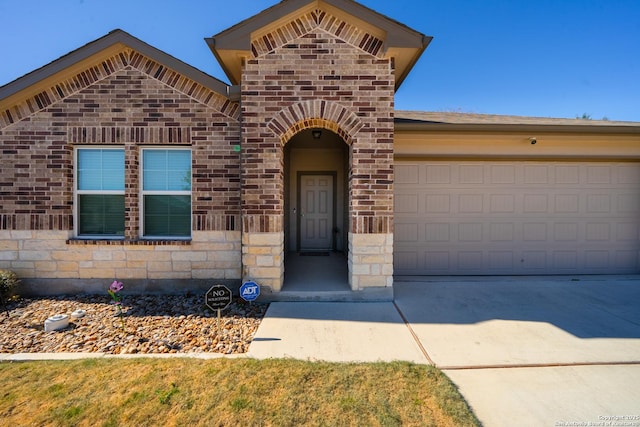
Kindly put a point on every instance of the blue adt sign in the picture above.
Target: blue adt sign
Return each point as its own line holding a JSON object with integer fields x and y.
{"x": 249, "y": 291}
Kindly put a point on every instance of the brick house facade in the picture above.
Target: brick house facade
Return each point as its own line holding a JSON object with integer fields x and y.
{"x": 311, "y": 97}
{"x": 304, "y": 65}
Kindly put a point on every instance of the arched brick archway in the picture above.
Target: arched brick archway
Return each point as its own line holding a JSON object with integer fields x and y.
{"x": 291, "y": 122}
{"x": 337, "y": 86}
{"x": 315, "y": 113}
{"x": 369, "y": 184}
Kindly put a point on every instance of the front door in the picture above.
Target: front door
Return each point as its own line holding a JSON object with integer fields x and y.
{"x": 316, "y": 212}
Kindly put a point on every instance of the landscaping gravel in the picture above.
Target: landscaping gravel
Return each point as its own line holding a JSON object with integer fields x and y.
{"x": 152, "y": 325}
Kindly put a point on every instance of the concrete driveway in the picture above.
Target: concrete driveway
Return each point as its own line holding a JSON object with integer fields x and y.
{"x": 526, "y": 351}
{"x": 534, "y": 351}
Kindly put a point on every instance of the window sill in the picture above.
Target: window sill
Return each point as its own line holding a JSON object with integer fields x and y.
{"x": 122, "y": 242}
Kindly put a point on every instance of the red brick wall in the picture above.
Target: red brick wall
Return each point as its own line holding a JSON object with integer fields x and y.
{"x": 131, "y": 100}
{"x": 318, "y": 57}
{"x": 127, "y": 100}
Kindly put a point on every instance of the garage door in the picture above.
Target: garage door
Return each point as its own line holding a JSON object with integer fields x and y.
{"x": 469, "y": 218}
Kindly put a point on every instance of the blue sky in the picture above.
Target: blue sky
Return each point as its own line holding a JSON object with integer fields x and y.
{"x": 548, "y": 58}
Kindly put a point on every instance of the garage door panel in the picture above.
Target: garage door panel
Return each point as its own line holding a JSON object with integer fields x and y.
{"x": 629, "y": 175}
{"x": 565, "y": 260}
{"x": 566, "y": 203}
{"x": 598, "y": 232}
{"x": 437, "y": 232}
{"x": 471, "y": 174}
{"x": 534, "y": 261}
{"x": 470, "y": 261}
{"x": 407, "y": 233}
{"x": 501, "y": 260}
{"x": 407, "y": 261}
{"x": 625, "y": 261}
{"x": 470, "y": 203}
{"x": 503, "y": 174}
{"x": 502, "y": 203}
{"x": 439, "y": 261}
{"x": 535, "y": 203}
{"x": 597, "y": 259}
{"x": 519, "y": 218}
{"x": 406, "y": 203}
{"x": 598, "y": 174}
{"x": 567, "y": 174}
{"x": 470, "y": 232}
{"x": 534, "y": 232}
{"x": 565, "y": 232}
{"x": 628, "y": 203}
{"x": 406, "y": 174}
{"x": 438, "y": 203}
{"x": 536, "y": 174}
{"x": 598, "y": 203}
{"x": 627, "y": 231}
{"x": 437, "y": 174}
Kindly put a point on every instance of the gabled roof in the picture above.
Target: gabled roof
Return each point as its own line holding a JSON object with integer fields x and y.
{"x": 420, "y": 121}
{"x": 110, "y": 44}
{"x": 402, "y": 43}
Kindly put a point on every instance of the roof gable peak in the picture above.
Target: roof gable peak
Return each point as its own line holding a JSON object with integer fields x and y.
{"x": 313, "y": 21}
{"x": 376, "y": 33}
{"x": 97, "y": 60}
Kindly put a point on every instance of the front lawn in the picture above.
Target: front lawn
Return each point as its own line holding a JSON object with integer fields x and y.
{"x": 227, "y": 392}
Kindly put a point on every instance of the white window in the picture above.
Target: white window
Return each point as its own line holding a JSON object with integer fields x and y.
{"x": 166, "y": 193}
{"x": 99, "y": 195}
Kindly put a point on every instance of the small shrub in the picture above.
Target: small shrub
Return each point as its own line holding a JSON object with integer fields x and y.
{"x": 8, "y": 282}
{"x": 165, "y": 395}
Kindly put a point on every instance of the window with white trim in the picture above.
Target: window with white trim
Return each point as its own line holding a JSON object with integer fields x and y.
{"x": 166, "y": 193}
{"x": 99, "y": 192}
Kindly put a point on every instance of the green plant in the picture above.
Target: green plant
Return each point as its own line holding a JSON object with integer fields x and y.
{"x": 165, "y": 395}
{"x": 8, "y": 282}
{"x": 114, "y": 292}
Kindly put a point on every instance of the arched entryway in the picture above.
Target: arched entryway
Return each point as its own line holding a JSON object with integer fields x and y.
{"x": 367, "y": 173}
{"x": 316, "y": 168}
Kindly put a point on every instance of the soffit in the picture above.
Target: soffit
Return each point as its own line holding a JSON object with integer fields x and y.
{"x": 232, "y": 46}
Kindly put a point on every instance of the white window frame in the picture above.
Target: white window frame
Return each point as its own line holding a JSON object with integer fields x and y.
{"x": 144, "y": 192}
{"x": 77, "y": 192}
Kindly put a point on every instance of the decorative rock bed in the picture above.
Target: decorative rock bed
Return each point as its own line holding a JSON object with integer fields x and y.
{"x": 152, "y": 324}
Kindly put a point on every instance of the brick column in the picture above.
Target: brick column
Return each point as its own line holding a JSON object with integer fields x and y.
{"x": 371, "y": 230}
{"x": 262, "y": 208}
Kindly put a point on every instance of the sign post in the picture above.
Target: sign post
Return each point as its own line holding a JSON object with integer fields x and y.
{"x": 218, "y": 298}
{"x": 249, "y": 291}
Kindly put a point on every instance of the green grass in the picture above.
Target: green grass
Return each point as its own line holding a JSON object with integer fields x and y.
{"x": 227, "y": 392}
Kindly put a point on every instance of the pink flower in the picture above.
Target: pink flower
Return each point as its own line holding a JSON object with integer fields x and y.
{"x": 116, "y": 286}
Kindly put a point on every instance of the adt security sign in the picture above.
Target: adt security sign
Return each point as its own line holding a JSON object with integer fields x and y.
{"x": 249, "y": 291}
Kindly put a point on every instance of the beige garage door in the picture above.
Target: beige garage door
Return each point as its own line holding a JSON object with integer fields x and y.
{"x": 470, "y": 218}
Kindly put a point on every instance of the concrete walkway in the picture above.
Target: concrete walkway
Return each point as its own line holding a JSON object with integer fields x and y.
{"x": 527, "y": 351}
{"x": 335, "y": 332}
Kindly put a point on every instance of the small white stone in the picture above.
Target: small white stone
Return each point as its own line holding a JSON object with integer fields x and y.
{"x": 56, "y": 322}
